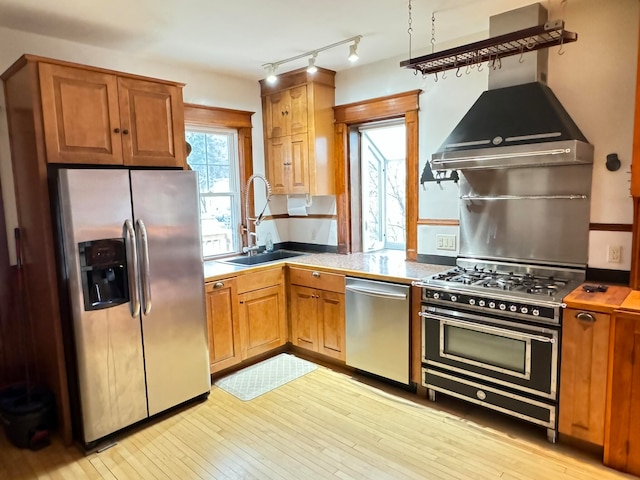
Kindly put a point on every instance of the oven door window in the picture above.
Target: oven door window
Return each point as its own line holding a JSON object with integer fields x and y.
{"x": 486, "y": 349}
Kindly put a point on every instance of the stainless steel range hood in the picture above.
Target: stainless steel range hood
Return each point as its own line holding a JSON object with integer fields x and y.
{"x": 518, "y": 122}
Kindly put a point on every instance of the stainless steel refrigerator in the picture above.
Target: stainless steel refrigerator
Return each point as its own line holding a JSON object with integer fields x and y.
{"x": 133, "y": 262}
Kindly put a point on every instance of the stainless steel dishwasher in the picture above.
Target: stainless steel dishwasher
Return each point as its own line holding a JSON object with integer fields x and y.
{"x": 378, "y": 328}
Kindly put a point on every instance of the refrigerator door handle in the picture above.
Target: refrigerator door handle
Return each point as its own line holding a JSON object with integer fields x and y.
{"x": 146, "y": 286}
{"x": 132, "y": 270}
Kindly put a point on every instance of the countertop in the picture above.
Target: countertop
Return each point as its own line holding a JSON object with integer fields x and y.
{"x": 387, "y": 265}
{"x": 604, "y": 302}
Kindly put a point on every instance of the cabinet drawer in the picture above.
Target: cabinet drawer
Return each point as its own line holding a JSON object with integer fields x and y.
{"x": 218, "y": 284}
{"x": 261, "y": 279}
{"x": 317, "y": 279}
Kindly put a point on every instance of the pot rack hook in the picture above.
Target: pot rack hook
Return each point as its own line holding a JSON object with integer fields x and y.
{"x": 444, "y": 74}
{"x": 436, "y": 78}
{"x": 458, "y": 73}
{"x": 521, "y": 59}
{"x": 480, "y": 64}
{"x": 561, "y": 51}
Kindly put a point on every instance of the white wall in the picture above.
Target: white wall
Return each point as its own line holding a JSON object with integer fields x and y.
{"x": 206, "y": 88}
{"x": 595, "y": 81}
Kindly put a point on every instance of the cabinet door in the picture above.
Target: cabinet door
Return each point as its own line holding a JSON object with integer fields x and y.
{"x": 297, "y": 171}
{"x": 80, "y": 115}
{"x": 278, "y": 164}
{"x": 583, "y": 379}
{"x": 297, "y": 110}
{"x": 304, "y": 317}
{"x": 331, "y": 326}
{"x": 263, "y": 324}
{"x": 152, "y": 123}
{"x": 622, "y": 444}
{"x": 277, "y": 119}
{"x": 223, "y": 324}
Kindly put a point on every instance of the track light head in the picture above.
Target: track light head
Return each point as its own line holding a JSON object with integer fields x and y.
{"x": 353, "y": 51}
{"x": 312, "y": 64}
{"x": 271, "y": 73}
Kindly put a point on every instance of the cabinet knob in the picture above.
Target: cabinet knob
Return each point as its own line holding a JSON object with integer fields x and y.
{"x": 116, "y": 130}
{"x": 316, "y": 274}
{"x": 585, "y": 317}
{"x": 125, "y": 132}
{"x": 218, "y": 285}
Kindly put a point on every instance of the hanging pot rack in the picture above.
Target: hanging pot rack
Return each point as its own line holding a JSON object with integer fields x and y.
{"x": 493, "y": 49}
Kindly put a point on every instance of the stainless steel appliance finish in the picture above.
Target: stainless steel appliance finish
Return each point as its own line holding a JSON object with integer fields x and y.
{"x": 377, "y": 318}
{"x": 148, "y": 353}
{"x": 533, "y": 215}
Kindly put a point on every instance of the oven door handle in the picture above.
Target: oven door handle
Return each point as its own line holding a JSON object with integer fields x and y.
{"x": 487, "y": 328}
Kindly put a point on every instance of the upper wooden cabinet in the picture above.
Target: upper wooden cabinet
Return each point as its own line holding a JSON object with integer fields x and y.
{"x": 100, "y": 118}
{"x": 286, "y": 112}
{"x": 298, "y": 132}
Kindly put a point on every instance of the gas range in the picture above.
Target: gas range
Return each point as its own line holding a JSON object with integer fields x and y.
{"x": 525, "y": 292}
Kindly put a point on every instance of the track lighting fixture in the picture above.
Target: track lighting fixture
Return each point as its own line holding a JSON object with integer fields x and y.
{"x": 271, "y": 72}
{"x": 353, "y": 51}
{"x": 312, "y": 68}
{"x": 312, "y": 64}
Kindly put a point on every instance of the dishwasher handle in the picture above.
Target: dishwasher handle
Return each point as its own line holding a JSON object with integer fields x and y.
{"x": 376, "y": 293}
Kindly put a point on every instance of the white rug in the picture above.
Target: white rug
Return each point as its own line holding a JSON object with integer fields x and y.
{"x": 262, "y": 377}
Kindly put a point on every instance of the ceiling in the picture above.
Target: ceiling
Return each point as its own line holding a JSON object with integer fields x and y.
{"x": 238, "y": 37}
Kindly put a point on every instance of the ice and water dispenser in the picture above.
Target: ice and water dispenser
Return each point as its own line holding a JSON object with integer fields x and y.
{"x": 103, "y": 268}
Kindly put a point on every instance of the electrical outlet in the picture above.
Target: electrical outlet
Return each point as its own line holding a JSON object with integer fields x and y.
{"x": 445, "y": 242}
{"x": 614, "y": 254}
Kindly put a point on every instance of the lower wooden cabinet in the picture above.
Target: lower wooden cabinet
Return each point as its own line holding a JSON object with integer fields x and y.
{"x": 622, "y": 442}
{"x": 222, "y": 324}
{"x": 246, "y": 316}
{"x": 263, "y": 324}
{"x": 583, "y": 379}
{"x": 317, "y": 309}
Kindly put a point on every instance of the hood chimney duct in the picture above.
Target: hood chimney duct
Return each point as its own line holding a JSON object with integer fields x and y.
{"x": 514, "y": 70}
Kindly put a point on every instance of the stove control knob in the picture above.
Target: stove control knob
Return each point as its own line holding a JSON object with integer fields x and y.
{"x": 503, "y": 306}
{"x": 513, "y": 308}
{"x": 492, "y": 305}
{"x": 535, "y": 312}
{"x": 436, "y": 295}
{"x": 454, "y": 298}
{"x": 524, "y": 310}
{"x": 472, "y": 301}
{"x": 480, "y": 302}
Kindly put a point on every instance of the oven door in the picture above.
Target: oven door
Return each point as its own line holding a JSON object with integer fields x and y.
{"x": 519, "y": 356}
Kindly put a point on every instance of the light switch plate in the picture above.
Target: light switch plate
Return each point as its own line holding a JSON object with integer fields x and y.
{"x": 445, "y": 242}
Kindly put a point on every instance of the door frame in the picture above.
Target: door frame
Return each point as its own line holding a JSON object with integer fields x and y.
{"x": 400, "y": 105}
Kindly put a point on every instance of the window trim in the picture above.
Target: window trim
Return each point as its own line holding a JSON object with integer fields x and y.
{"x": 401, "y": 105}
{"x": 240, "y": 120}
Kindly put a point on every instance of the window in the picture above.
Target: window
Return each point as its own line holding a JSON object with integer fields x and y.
{"x": 214, "y": 156}
{"x": 383, "y": 176}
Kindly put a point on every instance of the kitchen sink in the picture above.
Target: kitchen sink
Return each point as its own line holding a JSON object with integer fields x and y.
{"x": 260, "y": 258}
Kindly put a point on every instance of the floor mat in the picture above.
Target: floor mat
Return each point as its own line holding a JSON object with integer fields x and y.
{"x": 262, "y": 377}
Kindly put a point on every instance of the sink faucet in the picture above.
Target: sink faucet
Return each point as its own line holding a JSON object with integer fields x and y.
{"x": 252, "y": 237}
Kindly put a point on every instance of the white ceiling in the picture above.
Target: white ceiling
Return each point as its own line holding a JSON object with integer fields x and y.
{"x": 238, "y": 37}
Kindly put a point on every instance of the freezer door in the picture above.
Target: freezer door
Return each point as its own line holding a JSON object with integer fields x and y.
{"x": 166, "y": 212}
{"x": 94, "y": 204}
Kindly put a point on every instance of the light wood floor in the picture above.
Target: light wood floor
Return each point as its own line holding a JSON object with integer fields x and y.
{"x": 322, "y": 425}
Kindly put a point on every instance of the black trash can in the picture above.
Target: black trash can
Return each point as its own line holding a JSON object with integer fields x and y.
{"x": 28, "y": 417}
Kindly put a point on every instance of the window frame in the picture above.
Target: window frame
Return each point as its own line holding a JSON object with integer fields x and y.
{"x": 233, "y": 192}
{"x": 397, "y": 106}
{"x": 202, "y": 116}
